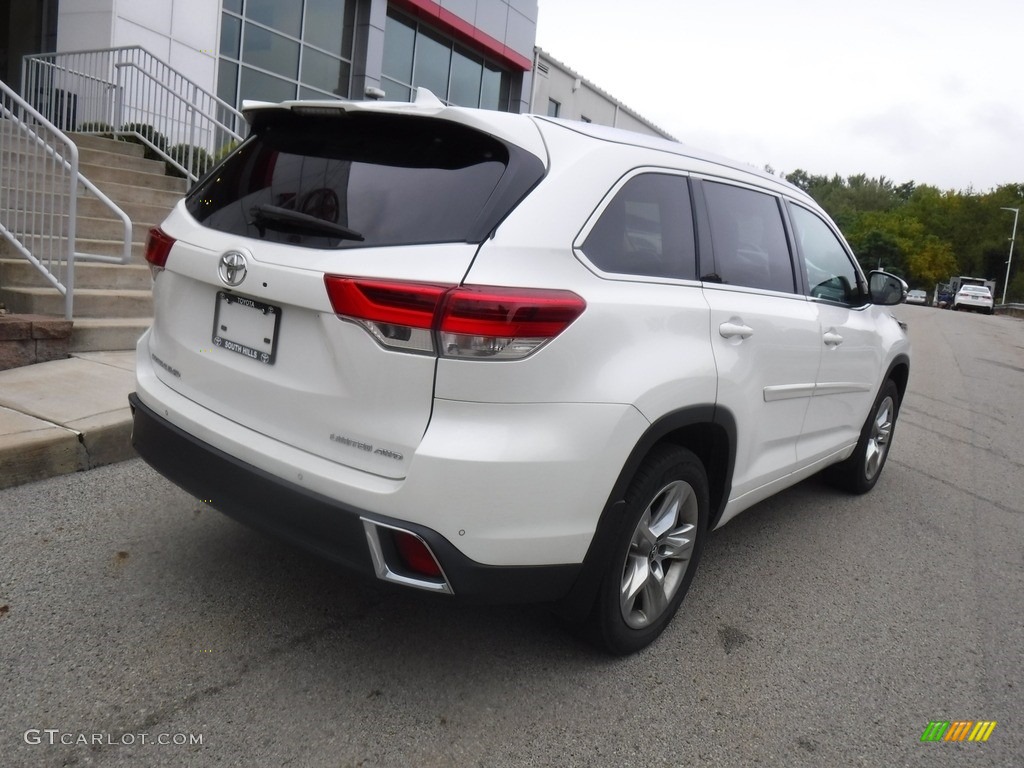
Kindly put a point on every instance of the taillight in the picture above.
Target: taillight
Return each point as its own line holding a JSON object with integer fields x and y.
{"x": 466, "y": 321}
{"x": 398, "y": 315}
{"x": 503, "y": 323}
{"x": 158, "y": 248}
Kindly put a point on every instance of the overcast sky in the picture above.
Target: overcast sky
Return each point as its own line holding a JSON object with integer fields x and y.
{"x": 913, "y": 90}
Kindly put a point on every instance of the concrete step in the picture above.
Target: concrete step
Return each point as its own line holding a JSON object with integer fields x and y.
{"x": 88, "y": 228}
{"x": 93, "y": 334}
{"x": 21, "y": 154}
{"x": 22, "y": 204}
{"x": 98, "y": 174}
{"x": 16, "y": 181}
{"x": 19, "y": 273}
{"x": 109, "y": 248}
{"x": 19, "y": 184}
{"x": 43, "y": 245}
{"x": 88, "y": 302}
{"x": 122, "y": 193}
{"x": 128, "y": 162}
{"x": 143, "y": 216}
{"x": 106, "y": 144}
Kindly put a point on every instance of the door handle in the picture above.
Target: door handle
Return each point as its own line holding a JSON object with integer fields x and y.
{"x": 832, "y": 339}
{"x": 733, "y": 330}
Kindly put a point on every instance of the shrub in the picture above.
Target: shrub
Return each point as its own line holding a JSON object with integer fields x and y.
{"x": 149, "y": 133}
{"x": 201, "y": 160}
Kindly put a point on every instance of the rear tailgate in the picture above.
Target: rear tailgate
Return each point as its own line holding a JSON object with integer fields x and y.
{"x": 244, "y": 323}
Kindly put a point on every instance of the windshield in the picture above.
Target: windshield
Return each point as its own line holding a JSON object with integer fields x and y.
{"x": 365, "y": 179}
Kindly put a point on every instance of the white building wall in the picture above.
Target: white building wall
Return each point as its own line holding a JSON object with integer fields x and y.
{"x": 84, "y": 25}
{"x": 579, "y": 99}
{"x": 183, "y": 33}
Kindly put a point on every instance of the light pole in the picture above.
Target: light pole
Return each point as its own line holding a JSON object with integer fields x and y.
{"x": 1006, "y": 282}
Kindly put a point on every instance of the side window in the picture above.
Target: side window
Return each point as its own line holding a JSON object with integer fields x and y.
{"x": 831, "y": 275}
{"x": 647, "y": 229}
{"x": 749, "y": 238}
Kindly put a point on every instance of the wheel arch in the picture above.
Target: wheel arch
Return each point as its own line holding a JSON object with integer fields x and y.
{"x": 899, "y": 372}
{"x": 709, "y": 432}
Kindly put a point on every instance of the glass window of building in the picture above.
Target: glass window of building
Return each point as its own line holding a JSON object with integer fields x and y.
{"x": 554, "y": 108}
{"x": 272, "y": 50}
{"x": 495, "y": 88}
{"x": 417, "y": 56}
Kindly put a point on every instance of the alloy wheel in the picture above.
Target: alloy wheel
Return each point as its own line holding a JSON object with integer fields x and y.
{"x": 659, "y": 553}
{"x": 878, "y": 440}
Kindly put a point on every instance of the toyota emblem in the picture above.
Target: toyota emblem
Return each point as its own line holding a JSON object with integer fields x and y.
{"x": 232, "y": 268}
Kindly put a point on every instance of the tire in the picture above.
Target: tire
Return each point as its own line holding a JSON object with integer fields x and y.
{"x": 656, "y": 551}
{"x": 860, "y": 472}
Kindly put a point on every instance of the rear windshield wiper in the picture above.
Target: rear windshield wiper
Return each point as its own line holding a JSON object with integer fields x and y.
{"x": 285, "y": 220}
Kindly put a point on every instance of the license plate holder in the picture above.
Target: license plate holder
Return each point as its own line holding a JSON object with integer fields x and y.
{"x": 246, "y": 326}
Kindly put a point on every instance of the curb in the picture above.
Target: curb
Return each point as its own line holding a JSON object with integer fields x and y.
{"x": 65, "y": 416}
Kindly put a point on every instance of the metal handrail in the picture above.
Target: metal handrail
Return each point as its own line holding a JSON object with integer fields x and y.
{"x": 129, "y": 92}
{"x": 39, "y": 188}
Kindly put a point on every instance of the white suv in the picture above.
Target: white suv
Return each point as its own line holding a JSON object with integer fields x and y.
{"x": 505, "y": 357}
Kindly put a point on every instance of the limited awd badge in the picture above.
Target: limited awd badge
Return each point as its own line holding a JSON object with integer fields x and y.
{"x": 232, "y": 268}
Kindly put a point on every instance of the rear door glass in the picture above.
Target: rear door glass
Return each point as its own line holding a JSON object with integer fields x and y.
{"x": 749, "y": 238}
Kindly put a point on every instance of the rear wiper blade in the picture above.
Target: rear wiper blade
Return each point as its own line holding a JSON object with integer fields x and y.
{"x": 286, "y": 220}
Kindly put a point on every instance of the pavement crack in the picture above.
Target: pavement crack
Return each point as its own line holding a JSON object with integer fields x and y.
{"x": 957, "y": 488}
{"x": 154, "y": 718}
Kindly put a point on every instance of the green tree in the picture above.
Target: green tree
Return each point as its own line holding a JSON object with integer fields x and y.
{"x": 920, "y": 231}
{"x": 931, "y": 262}
{"x": 1015, "y": 295}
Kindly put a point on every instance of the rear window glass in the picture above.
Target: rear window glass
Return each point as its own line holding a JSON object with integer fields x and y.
{"x": 342, "y": 181}
{"x": 647, "y": 229}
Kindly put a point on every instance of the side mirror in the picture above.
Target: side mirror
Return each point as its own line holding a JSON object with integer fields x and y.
{"x": 885, "y": 289}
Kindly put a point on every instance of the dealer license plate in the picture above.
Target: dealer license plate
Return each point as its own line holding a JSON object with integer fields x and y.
{"x": 246, "y": 326}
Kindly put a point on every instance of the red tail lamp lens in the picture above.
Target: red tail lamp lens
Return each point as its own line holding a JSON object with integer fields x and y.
{"x": 398, "y": 303}
{"x": 158, "y": 247}
{"x": 484, "y": 322}
{"x": 509, "y": 312}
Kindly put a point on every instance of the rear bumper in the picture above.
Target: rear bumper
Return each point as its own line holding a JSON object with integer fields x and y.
{"x": 329, "y": 528}
{"x": 974, "y": 307}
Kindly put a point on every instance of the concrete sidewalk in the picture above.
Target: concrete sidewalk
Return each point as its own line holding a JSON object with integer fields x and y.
{"x": 65, "y": 416}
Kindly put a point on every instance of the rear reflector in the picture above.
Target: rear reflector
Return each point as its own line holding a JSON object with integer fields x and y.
{"x": 158, "y": 248}
{"x": 416, "y": 555}
{"x": 463, "y": 321}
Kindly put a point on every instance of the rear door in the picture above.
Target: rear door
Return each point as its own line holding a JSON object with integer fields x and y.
{"x": 764, "y": 332}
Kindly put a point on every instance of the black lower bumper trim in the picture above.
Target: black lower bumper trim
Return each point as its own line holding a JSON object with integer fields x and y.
{"x": 315, "y": 522}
